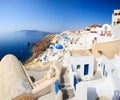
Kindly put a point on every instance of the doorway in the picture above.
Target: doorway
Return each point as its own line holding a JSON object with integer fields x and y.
{"x": 86, "y": 69}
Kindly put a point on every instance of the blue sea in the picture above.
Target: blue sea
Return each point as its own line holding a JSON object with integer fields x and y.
{"x": 16, "y": 43}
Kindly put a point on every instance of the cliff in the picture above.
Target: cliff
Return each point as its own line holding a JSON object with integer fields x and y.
{"x": 40, "y": 47}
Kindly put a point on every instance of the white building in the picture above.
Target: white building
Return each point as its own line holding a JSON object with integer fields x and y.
{"x": 93, "y": 33}
{"x": 92, "y": 36}
{"x": 65, "y": 41}
{"x": 99, "y": 35}
{"x": 116, "y": 17}
{"x": 81, "y": 66}
{"x": 106, "y": 88}
{"x": 116, "y": 31}
{"x": 105, "y": 34}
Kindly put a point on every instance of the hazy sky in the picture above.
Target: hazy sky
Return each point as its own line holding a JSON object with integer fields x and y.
{"x": 54, "y": 15}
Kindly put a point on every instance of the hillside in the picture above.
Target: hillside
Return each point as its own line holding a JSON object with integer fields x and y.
{"x": 41, "y": 46}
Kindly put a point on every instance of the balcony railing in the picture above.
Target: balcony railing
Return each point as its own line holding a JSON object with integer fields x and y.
{"x": 106, "y": 35}
{"x": 102, "y": 34}
{"x": 109, "y": 35}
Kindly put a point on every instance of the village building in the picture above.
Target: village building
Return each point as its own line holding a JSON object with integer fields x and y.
{"x": 116, "y": 17}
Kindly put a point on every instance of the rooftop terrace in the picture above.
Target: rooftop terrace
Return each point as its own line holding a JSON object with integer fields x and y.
{"x": 80, "y": 53}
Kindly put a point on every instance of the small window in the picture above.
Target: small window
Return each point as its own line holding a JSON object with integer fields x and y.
{"x": 118, "y": 22}
{"x": 78, "y": 66}
{"x": 106, "y": 28}
{"x": 114, "y": 23}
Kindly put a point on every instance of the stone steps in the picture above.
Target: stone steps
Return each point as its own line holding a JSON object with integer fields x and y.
{"x": 65, "y": 86}
{"x": 67, "y": 93}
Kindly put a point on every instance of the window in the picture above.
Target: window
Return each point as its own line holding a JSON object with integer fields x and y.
{"x": 106, "y": 28}
{"x": 78, "y": 66}
{"x": 72, "y": 67}
{"x": 114, "y": 23}
{"x": 118, "y": 19}
{"x": 104, "y": 70}
{"x": 118, "y": 22}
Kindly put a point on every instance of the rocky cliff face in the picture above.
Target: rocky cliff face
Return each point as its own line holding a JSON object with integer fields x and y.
{"x": 41, "y": 46}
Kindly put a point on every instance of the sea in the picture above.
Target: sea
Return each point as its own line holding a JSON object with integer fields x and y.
{"x": 19, "y": 43}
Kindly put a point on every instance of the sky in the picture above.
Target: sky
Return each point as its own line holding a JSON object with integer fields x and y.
{"x": 54, "y": 15}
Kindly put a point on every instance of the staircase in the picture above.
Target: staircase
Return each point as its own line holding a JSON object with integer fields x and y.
{"x": 65, "y": 86}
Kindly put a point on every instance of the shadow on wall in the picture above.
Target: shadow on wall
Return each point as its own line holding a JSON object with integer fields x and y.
{"x": 91, "y": 94}
{"x": 116, "y": 95}
{"x": 24, "y": 97}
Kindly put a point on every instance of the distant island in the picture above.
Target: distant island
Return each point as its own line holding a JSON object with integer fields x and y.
{"x": 32, "y": 32}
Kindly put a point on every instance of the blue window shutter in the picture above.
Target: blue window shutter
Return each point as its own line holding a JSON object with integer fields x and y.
{"x": 75, "y": 82}
{"x": 57, "y": 87}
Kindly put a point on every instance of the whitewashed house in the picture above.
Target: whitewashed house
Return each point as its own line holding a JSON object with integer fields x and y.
{"x": 116, "y": 17}
{"x": 105, "y": 34}
{"x": 99, "y": 35}
{"x": 81, "y": 66}
{"x": 107, "y": 87}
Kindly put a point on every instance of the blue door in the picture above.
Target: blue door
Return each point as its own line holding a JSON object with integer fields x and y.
{"x": 86, "y": 69}
{"x": 75, "y": 82}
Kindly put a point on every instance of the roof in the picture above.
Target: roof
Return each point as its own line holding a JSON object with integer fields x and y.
{"x": 65, "y": 37}
{"x": 13, "y": 79}
{"x": 59, "y": 46}
{"x": 50, "y": 47}
{"x": 80, "y": 53}
{"x": 110, "y": 49}
{"x": 106, "y": 27}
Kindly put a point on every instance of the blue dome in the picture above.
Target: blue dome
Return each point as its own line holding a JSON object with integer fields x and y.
{"x": 50, "y": 47}
{"x": 59, "y": 46}
{"x": 65, "y": 37}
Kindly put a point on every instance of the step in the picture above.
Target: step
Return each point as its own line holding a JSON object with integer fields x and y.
{"x": 65, "y": 86}
{"x": 68, "y": 88}
{"x": 73, "y": 98}
{"x": 68, "y": 94}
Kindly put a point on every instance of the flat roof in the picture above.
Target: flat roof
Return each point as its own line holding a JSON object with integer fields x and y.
{"x": 80, "y": 53}
{"x": 110, "y": 49}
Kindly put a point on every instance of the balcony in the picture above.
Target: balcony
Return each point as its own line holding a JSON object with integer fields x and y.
{"x": 109, "y": 35}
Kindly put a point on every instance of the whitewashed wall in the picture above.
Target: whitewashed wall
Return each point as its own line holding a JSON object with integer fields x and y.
{"x": 82, "y": 61}
{"x": 116, "y": 31}
{"x": 95, "y": 89}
